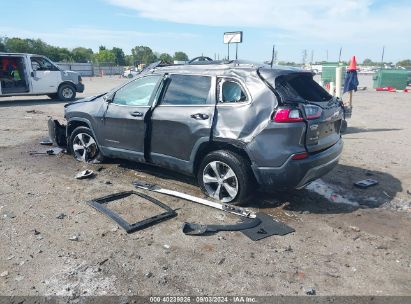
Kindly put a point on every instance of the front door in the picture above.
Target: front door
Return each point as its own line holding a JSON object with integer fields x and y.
{"x": 123, "y": 128}
{"x": 182, "y": 120}
{"x": 45, "y": 76}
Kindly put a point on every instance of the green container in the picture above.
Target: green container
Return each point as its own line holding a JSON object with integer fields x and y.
{"x": 396, "y": 78}
{"x": 328, "y": 71}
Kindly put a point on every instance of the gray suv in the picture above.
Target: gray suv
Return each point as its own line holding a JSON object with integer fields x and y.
{"x": 232, "y": 125}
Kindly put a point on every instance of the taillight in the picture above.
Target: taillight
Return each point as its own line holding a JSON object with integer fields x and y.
{"x": 287, "y": 115}
{"x": 312, "y": 112}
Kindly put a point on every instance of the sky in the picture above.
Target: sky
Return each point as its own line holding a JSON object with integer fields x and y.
{"x": 359, "y": 27}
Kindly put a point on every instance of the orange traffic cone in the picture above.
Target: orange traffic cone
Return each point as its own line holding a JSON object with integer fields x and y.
{"x": 353, "y": 64}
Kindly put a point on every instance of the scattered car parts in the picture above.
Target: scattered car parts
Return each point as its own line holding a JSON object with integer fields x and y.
{"x": 52, "y": 151}
{"x": 256, "y": 226}
{"x": 57, "y": 133}
{"x": 366, "y": 183}
{"x": 85, "y": 174}
{"x": 101, "y": 203}
{"x": 46, "y": 142}
{"x": 225, "y": 207}
{"x": 267, "y": 227}
{"x": 198, "y": 229}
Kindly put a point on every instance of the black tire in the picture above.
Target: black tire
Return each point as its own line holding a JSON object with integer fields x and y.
{"x": 243, "y": 174}
{"x": 130, "y": 76}
{"x": 66, "y": 92}
{"x": 53, "y": 96}
{"x": 92, "y": 152}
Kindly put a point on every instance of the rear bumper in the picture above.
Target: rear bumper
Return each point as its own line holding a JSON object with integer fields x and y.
{"x": 79, "y": 87}
{"x": 298, "y": 173}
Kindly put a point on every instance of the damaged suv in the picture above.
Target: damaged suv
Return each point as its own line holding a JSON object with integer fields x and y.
{"x": 232, "y": 125}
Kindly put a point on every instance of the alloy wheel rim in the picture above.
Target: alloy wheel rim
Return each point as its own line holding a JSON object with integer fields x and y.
{"x": 67, "y": 93}
{"x": 84, "y": 147}
{"x": 220, "y": 181}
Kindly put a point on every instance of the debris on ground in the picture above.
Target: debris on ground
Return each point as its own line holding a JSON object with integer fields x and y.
{"x": 4, "y": 274}
{"x": 46, "y": 142}
{"x": 100, "y": 203}
{"x": 355, "y": 228}
{"x": 85, "y": 174}
{"x": 34, "y": 112}
{"x": 52, "y": 151}
{"x": 148, "y": 275}
{"x": 366, "y": 183}
{"x": 310, "y": 292}
{"x": 330, "y": 192}
{"x": 74, "y": 238}
{"x": 61, "y": 216}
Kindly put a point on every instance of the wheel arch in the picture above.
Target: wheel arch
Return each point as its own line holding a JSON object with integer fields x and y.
{"x": 73, "y": 123}
{"x": 68, "y": 83}
{"x": 210, "y": 146}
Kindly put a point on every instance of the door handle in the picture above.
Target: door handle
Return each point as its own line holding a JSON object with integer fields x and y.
{"x": 136, "y": 114}
{"x": 200, "y": 116}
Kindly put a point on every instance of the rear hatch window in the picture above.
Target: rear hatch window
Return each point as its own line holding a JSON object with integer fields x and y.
{"x": 300, "y": 88}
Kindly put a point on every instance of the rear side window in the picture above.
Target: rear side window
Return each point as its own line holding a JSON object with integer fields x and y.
{"x": 232, "y": 91}
{"x": 186, "y": 90}
{"x": 296, "y": 87}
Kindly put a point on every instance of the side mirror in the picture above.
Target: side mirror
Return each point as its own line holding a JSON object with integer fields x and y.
{"x": 108, "y": 98}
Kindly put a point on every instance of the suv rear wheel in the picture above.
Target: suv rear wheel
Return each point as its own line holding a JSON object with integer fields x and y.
{"x": 225, "y": 176}
{"x": 83, "y": 145}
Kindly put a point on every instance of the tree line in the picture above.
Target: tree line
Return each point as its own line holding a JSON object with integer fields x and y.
{"x": 116, "y": 56}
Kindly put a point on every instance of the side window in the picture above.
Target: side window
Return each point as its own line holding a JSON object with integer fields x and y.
{"x": 187, "y": 90}
{"x": 137, "y": 92}
{"x": 231, "y": 91}
{"x": 42, "y": 64}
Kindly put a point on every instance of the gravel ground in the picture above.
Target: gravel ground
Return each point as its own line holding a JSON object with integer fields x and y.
{"x": 347, "y": 241}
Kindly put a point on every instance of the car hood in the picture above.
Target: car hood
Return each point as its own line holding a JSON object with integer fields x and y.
{"x": 87, "y": 99}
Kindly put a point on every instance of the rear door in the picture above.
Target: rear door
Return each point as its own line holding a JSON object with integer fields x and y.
{"x": 182, "y": 119}
{"x": 122, "y": 129}
{"x": 322, "y": 112}
{"x": 45, "y": 76}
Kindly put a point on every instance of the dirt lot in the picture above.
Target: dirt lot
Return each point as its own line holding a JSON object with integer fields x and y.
{"x": 348, "y": 241}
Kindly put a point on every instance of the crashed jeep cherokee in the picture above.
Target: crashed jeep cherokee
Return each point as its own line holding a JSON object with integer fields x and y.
{"x": 232, "y": 125}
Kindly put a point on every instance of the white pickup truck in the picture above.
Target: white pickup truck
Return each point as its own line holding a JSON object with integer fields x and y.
{"x": 29, "y": 74}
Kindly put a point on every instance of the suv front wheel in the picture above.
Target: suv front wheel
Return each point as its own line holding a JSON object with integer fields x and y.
{"x": 84, "y": 146}
{"x": 225, "y": 176}
{"x": 66, "y": 92}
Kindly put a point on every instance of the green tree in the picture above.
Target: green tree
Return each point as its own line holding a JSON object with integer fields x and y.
{"x": 368, "y": 62}
{"x": 180, "y": 56}
{"x": 129, "y": 60}
{"x": 119, "y": 56}
{"x": 17, "y": 45}
{"x": 81, "y": 54}
{"x": 167, "y": 58}
{"x": 143, "y": 54}
{"x": 2, "y": 45}
{"x": 404, "y": 63}
{"x": 104, "y": 56}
